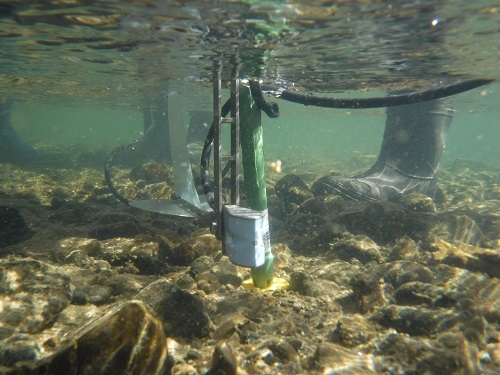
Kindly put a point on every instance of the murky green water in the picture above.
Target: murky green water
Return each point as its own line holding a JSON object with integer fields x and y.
{"x": 400, "y": 287}
{"x": 80, "y": 72}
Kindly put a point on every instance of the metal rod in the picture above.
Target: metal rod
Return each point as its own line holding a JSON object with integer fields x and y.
{"x": 217, "y": 145}
{"x": 235, "y": 132}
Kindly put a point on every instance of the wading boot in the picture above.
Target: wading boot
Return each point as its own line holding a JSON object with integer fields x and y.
{"x": 413, "y": 142}
{"x": 12, "y": 148}
{"x": 16, "y": 151}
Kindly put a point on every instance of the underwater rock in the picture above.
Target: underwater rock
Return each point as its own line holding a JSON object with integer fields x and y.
{"x": 121, "y": 252}
{"x": 69, "y": 213}
{"x": 359, "y": 247}
{"x": 237, "y": 302}
{"x": 308, "y": 285}
{"x": 415, "y": 321}
{"x": 80, "y": 296}
{"x": 207, "y": 282}
{"x": 419, "y": 293}
{"x": 224, "y": 361}
{"x": 333, "y": 358}
{"x": 402, "y": 272}
{"x": 19, "y": 348}
{"x": 127, "y": 285}
{"x": 340, "y": 272}
{"x": 201, "y": 264}
{"x": 225, "y": 329}
{"x": 369, "y": 292}
{"x": 417, "y": 202}
{"x": 75, "y": 251}
{"x": 406, "y": 354}
{"x": 128, "y": 339}
{"x": 186, "y": 282}
{"x": 384, "y": 222}
{"x": 311, "y": 234}
{"x": 114, "y": 225}
{"x": 291, "y": 189}
{"x": 468, "y": 257}
{"x": 456, "y": 229}
{"x": 466, "y": 285}
{"x": 13, "y": 228}
{"x": 276, "y": 207}
{"x": 183, "y": 315}
{"x": 282, "y": 350}
{"x": 33, "y": 294}
{"x": 227, "y": 273}
{"x": 405, "y": 249}
{"x": 353, "y": 330}
{"x": 152, "y": 172}
{"x": 198, "y": 244}
{"x": 465, "y": 318}
{"x": 99, "y": 294}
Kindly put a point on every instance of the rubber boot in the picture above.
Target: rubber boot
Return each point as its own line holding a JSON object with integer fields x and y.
{"x": 413, "y": 142}
{"x": 12, "y": 148}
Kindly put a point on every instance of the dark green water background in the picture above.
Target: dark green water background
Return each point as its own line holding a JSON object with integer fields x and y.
{"x": 300, "y": 132}
{"x": 80, "y": 72}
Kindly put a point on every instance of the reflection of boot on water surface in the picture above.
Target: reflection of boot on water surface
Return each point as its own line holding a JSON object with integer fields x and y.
{"x": 412, "y": 146}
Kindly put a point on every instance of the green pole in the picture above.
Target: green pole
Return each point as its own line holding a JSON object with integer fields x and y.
{"x": 255, "y": 177}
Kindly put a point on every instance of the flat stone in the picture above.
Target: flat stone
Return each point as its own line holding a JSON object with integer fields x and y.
{"x": 418, "y": 293}
{"x": 360, "y": 247}
{"x": 371, "y": 292}
{"x": 334, "y": 358}
{"x": 402, "y": 272}
{"x": 282, "y": 350}
{"x": 226, "y": 272}
{"x": 13, "y": 228}
{"x": 223, "y": 360}
{"x": 114, "y": 225}
{"x": 291, "y": 189}
{"x": 308, "y": 285}
{"x": 417, "y": 202}
{"x": 353, "y": 330}
{"x": 201, "y": 264}
{"x": 128, "y": 339}
{"x": 183, "y": 314}
{"x": 99, "y": 294}
{"x": 19, "y": 348}
{"x": 122, "y": 252}
{"x": 472, "y": 258}
{"x": 197, "y": 245}
{"x": 33, "y": 292}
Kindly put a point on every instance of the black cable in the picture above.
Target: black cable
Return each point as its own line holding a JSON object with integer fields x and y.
{"x": 208, "y": 186}
{"x": 386, "y": 101}
{"x": 107, "y": 171}
{"x": 271, "y": 109}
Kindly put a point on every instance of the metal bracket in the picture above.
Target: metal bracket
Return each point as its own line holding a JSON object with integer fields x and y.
{"x": 233, "y": 158}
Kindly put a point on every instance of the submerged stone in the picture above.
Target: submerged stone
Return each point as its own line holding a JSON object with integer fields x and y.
{"x": 33, "y": 294}
{"x": 126, "y": 340}
{"x": 183, "y": 314}
{"x": 13, "y": 228}
{"x": 333, "y": 358}
{"x": 353, "y": 330}
{"x": 198, "y": 244}
{"x": 417, "y": 202}
{"x": 359, "y": 247}
{"x": 291, "y": 189}
{"x": 223, "y": 360}
{"x": 114, "y": 225}
{"x": 122, "y": 252}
